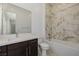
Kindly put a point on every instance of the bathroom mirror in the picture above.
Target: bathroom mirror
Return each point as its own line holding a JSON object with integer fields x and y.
{"x": 14, "y": 19}
{"x": 7, "y": 22}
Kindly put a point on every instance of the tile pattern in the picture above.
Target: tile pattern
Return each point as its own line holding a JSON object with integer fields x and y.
{"x": 48, "y": 21}
{"x": 62, "y": 21}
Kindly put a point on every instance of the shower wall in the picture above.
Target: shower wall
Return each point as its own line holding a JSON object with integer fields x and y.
{"x": 48, "y": 15}
{"x": 62, "y": 21}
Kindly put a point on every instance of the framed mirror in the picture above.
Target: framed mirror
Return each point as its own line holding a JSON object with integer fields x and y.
{"x": 14, "y": 19}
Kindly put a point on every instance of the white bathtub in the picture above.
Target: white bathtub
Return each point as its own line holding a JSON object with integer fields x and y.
{"x": 64, "y": 48}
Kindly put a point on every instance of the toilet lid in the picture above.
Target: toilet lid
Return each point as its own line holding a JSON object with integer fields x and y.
{"x": 44, "y": 45}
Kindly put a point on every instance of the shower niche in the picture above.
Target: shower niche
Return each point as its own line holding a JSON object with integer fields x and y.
{"x": 14, "y": 19}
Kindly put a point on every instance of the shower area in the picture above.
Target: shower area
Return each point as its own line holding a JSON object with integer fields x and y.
{"x": 62, "y": 21}
{"x": 62, "y": 28}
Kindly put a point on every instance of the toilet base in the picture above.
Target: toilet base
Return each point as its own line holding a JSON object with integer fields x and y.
{"x": 44, "y": 53}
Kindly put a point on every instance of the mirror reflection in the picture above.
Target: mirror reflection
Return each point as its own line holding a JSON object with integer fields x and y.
{"x": 14, "y": 19}
{"x": 7, "y": 22}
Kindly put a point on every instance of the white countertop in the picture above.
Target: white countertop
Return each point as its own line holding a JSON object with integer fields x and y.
{"x": 6, "y": 40}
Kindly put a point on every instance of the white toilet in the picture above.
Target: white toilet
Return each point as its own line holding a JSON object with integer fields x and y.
{"x": 44, "y": 46}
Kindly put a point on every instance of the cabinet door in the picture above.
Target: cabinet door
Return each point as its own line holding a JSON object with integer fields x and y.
{"x": 17, "y": 49}
{"x": 33, "y": 51}
{"x": 0, "y": 51}
{"x": 3, "y": 51}
{"x": 33, "y": 47}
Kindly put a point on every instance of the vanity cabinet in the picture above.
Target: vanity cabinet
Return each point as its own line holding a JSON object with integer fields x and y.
{"x": 25, "y": 48}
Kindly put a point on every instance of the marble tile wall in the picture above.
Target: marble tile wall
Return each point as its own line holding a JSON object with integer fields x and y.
{"x": 62, "y": 21}
{"x": 48, "y": 21}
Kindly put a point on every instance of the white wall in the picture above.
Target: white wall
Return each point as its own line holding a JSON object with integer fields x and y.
{"x": 38, "y": 16}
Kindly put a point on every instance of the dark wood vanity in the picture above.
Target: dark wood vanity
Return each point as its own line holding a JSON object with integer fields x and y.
{"x": 25, "y": 48}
